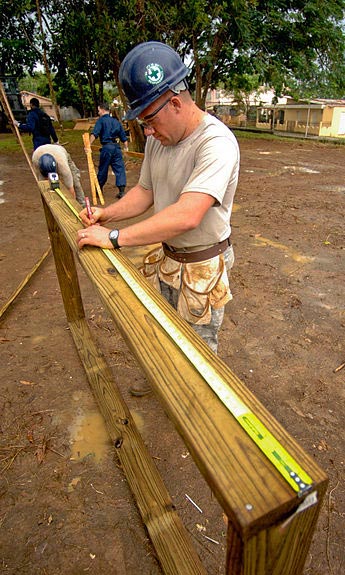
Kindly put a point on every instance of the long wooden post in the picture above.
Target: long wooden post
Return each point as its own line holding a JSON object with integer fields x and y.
{"x": 8, "y": 112}
{"x": 23, "y": 283}
{"x": 95, "y": 187}
{"x": 270, "y": 525}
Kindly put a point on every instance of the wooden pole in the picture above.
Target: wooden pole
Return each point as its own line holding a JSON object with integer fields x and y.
{"x": 14, "y": 128}
{"x": 87, "y": 148}
{"x": 23, "y": 283}
{"x": 139, "y": 155}
{"x": 97, "y": 186}
{"x": 92, "y": 172}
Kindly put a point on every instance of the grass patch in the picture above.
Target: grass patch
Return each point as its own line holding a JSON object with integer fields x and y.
{"x": 253, "y": 135}
{"x": 71, "y": 136}
{"x": 10, "y": 144}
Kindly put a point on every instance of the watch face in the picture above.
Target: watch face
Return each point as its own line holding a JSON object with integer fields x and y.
{"x": 113, "y": 235}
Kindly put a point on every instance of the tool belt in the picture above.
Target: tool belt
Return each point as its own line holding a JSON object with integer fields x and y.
{"x": 200, "y": 285}
{"x": 191, "y": 257}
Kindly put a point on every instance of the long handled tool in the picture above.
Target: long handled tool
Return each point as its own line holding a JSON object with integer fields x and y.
{"x": 8, "y": 112}
{"x": 95, "y": 187}
{"x": 7, "y": 109}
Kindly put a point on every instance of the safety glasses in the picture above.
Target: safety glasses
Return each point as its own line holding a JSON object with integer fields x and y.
{"x": 146, "y": 121}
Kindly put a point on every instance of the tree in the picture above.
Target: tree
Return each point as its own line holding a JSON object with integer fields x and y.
{"x": 284, "y": 43}
{"x": 17, "y": 54}
{"x": 224, "y": 42}
{"x": 300, "y": 44}
{"x": 45, "y": 60}
{"x": 36, "y": 82}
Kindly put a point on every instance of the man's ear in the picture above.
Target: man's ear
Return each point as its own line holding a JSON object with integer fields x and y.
{"x": 176, "y": 102}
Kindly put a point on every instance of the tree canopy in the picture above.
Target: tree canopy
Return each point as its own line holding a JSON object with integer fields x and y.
{"x": 295, "y": 45}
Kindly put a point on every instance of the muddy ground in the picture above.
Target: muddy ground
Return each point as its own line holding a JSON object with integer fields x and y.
{"x": 65, "y": 505}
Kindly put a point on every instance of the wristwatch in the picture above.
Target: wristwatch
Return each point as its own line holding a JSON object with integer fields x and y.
{"x": 114, "y": 236}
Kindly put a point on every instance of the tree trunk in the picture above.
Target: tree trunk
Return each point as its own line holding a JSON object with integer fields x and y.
{"x": 46, "y": 66}
{"x": 81, "y": 94}
{"x": 215, "y": 50}
{"x": 137, "y": 136}
{"x": 198, "y": 74}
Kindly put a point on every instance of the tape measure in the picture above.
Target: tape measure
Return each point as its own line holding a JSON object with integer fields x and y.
{"x": 292, "y": 472}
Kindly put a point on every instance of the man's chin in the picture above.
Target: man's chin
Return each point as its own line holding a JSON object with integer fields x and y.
{"x": 162, "y": 140}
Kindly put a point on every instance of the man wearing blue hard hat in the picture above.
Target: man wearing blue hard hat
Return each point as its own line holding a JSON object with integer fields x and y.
{"x": 50, "y": 158}
{"x": 189, "y": 175}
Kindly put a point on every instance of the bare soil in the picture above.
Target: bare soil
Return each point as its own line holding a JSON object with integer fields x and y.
{"x": 65, "y": 505}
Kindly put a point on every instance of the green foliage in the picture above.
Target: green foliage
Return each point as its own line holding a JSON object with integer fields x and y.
{"x": 37, "y": 83}
{"x": 17, "y": 53}
{"x": 287, "y": 44}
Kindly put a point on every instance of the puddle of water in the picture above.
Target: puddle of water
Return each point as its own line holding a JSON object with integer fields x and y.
{"x": 302, "y": 169}
{"x": 89, "y": 437}
{"x": 335, "y": 188}
{"x": 297, "y": 257}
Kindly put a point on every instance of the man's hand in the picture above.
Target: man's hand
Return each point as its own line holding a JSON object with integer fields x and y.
{"x": 94, "y": 236}
{"x": 96, "y": 216}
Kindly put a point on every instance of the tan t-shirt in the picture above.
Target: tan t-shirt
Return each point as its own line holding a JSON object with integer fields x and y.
{"x": 208, "y": 162}
{"x": 61, "y": 157}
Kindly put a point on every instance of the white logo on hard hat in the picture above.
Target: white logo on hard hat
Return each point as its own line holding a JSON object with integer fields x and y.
{"x": 154, "y": 73}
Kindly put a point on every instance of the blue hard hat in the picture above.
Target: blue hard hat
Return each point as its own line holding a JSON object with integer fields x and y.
{"x": 149, "y": 70}
{"x": 47, "y": 164}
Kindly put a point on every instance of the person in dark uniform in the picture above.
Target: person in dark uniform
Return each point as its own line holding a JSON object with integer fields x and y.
{"x": 110, "y": 132}
{"x": 39, "y": 125}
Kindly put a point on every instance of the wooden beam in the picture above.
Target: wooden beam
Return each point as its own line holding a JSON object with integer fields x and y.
{"x": 254, "y": 495}
{"x": 24, "y": 282}
{"x": 139, "y": 155}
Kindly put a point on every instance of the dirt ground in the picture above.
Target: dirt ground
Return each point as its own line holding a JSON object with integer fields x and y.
{"x": 65, "y": 505}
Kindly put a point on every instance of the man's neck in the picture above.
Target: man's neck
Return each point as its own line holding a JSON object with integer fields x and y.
{"x": 196, "y": 117}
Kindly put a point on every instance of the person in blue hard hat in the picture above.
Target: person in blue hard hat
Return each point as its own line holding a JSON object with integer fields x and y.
{"x": 189, "y": 175}
{"x": 50, "y": 158}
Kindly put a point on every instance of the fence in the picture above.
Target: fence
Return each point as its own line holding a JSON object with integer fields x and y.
{"x": 268, "y": 487}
